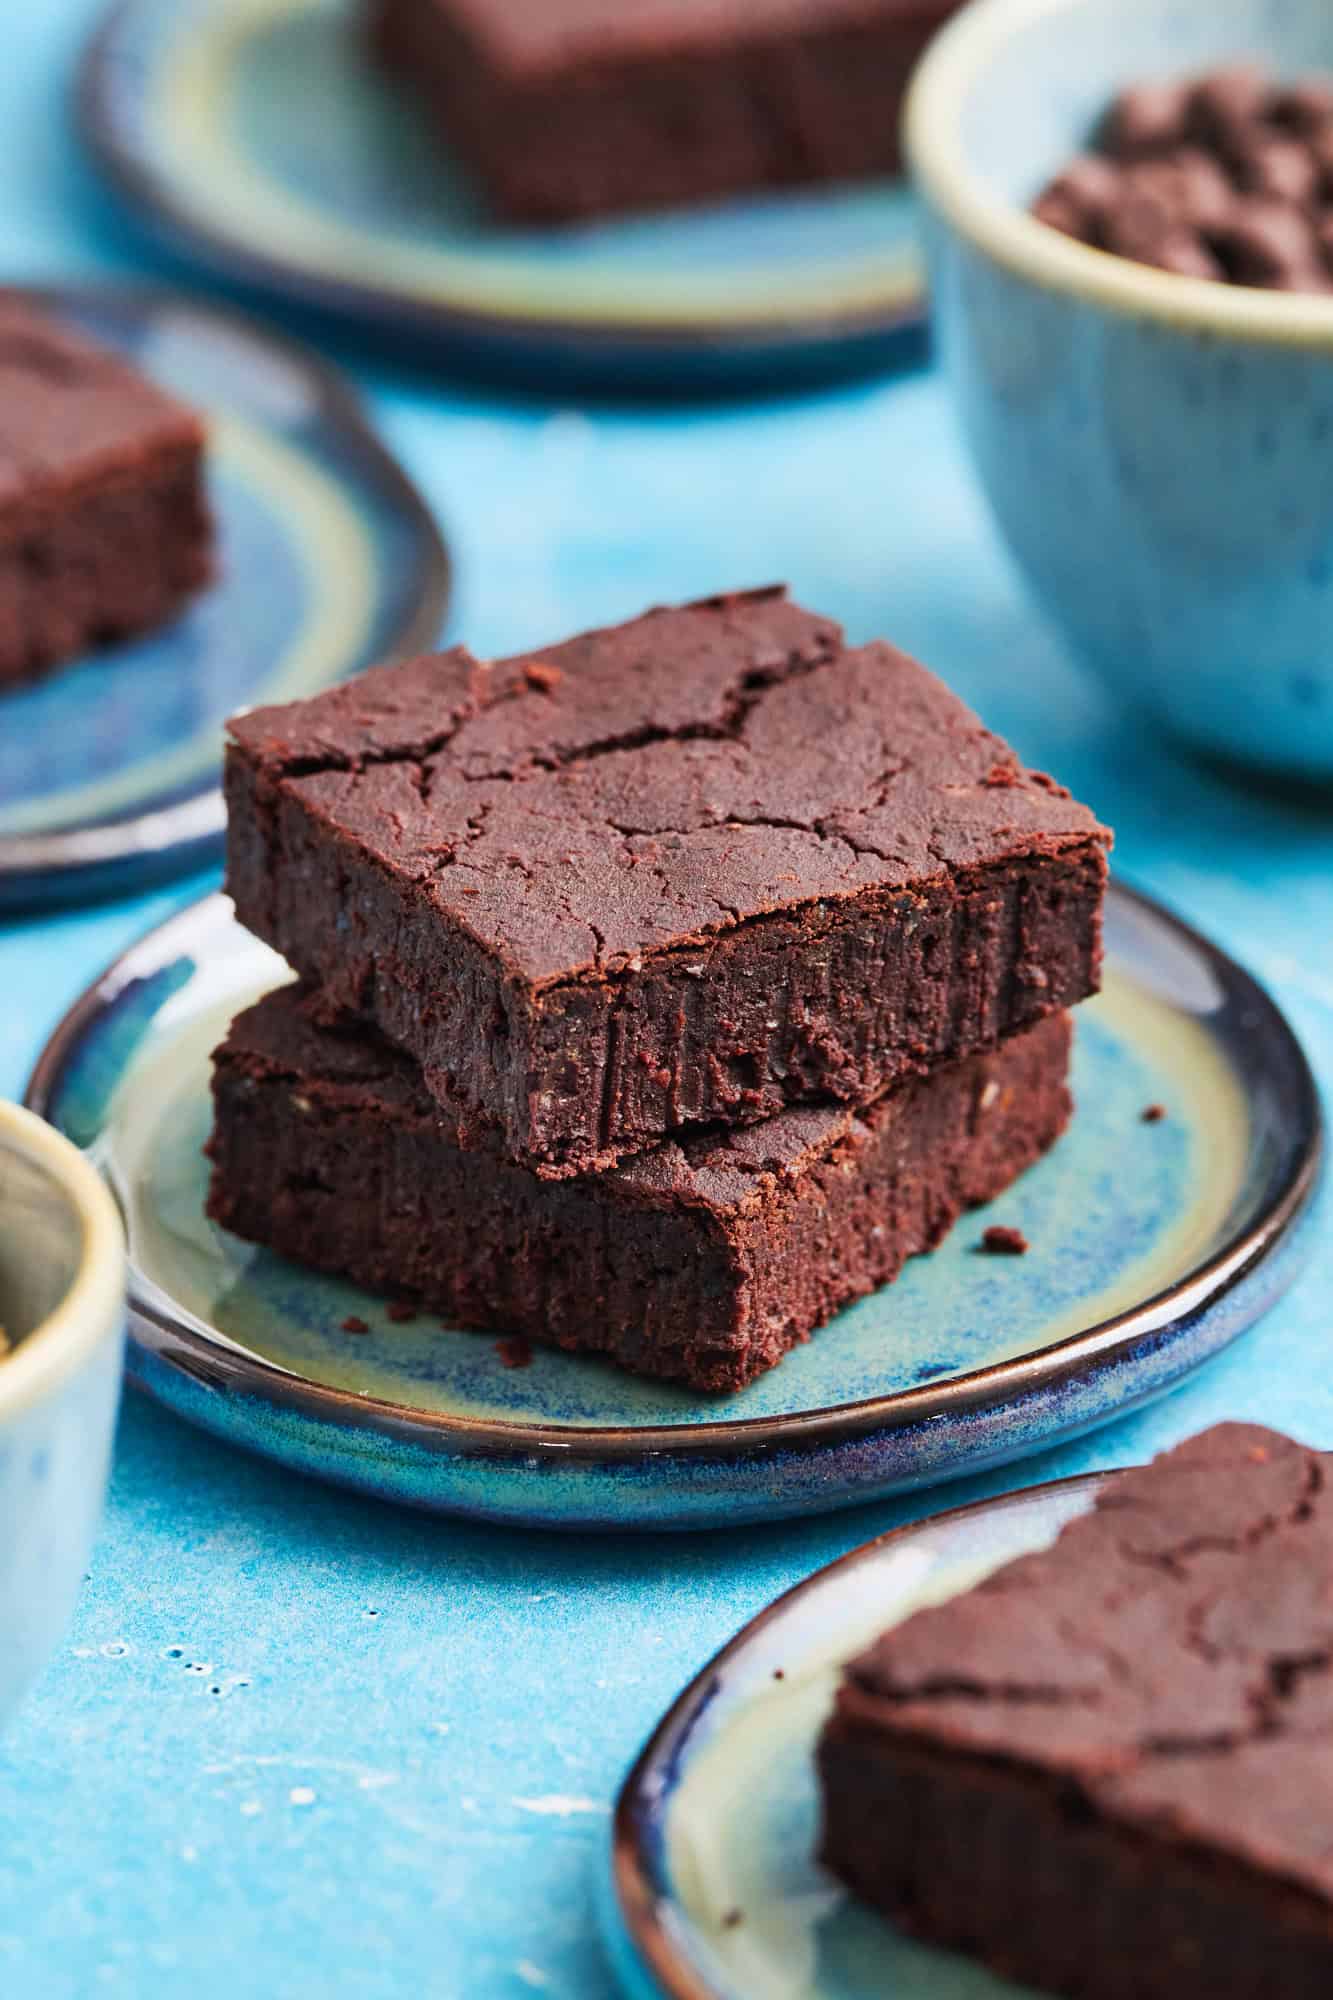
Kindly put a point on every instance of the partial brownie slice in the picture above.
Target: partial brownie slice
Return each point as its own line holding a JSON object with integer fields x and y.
{"x": 701, "y": 1263}
{"x": 682, "y": 872}
{"x": 1108, "y": 1770}
{"x": 104, "y": 526}
{"x": 566, "y": 109}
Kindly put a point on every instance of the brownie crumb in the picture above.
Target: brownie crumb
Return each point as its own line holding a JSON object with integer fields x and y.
{"x": 538, "y": 674}
{"x": 732, "y": 1918}
{"x": 354, "y": 1325}
{"x": 402, "y": 1312}
{"x": 779, "y": 1674}
{"x": 1001, "y": 1242}
{"x": 515, "y": 1352}
{"x": 1154, "y": 1114}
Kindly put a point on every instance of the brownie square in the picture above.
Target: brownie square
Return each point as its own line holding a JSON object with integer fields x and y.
{"x": 701, "y": 1263}
{"x": 682, "y": 872}
{"x": 566, "y": 109}
{"x": 1108, "y": 1770}
{"x": 104, "y": 527}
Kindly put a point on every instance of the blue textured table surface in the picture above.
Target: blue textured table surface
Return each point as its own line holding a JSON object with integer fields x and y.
{"x": 298, "y": 1743}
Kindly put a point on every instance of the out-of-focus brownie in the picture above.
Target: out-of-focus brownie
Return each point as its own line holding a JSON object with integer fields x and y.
{"x": 104, "y": 527}
{"x": 1108, "y": 1771}
{"x": 702, "y": 1263}
{"x": 565, "y": 109}
{"x": 682, "y": 872}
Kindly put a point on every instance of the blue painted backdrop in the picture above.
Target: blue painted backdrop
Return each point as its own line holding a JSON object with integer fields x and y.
{"x": 402, "y": 1786}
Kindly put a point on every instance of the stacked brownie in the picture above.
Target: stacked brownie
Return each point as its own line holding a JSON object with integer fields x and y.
{"x": 659, "y": 994}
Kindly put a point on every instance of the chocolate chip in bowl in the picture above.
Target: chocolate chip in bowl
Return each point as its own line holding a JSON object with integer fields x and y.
{"x": 1144, "y": 367}
{"x": 1227, "y": 176}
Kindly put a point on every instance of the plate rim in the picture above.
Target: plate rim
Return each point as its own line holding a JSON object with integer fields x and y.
{"x": 637, "y": 1890}
{"x": 151, "y": 195}
{"x": 175, "y": 1343}
{"x": 39, "y": 867}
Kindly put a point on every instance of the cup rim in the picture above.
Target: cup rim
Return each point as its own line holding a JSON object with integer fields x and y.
{"x": 92, "y": 1310}
{"x": 1032, "y": 250}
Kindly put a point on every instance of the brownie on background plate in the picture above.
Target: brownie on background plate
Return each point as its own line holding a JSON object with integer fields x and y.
{"x": 566, "y": 109}
{"x": 681, "y": 873}
{"x": 1108, "y": 1770}
{"x": 105, "y": 530}
{"x": 701, "y": 1263}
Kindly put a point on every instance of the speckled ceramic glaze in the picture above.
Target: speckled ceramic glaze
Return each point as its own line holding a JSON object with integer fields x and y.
{"x": 257, "y": 134}
{"x": 1153, "y": 1246}
{"x": 1157, "y": 450}
{"x": 62, "y": 1315}
{"x": 714, "y": 1892}
{"x": 329, "y": 561}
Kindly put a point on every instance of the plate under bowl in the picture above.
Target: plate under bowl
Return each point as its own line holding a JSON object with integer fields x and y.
{"x": 1154, "y": 1244}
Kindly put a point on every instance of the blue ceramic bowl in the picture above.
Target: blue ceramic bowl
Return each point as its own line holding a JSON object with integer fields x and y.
{"x": 1158, "y": 450}
{"x": 62, "y": 1310}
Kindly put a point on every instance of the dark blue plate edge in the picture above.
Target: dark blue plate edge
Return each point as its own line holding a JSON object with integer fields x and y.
{"x": 636, "y": 1888}
{"x": 86, "y": 864}
{"x": 1218, "y": 1302}
{"x": 760, "y": 354}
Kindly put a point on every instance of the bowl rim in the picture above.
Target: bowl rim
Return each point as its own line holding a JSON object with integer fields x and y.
{"x": 93, "y": 1308}
{"x": 1032, "y": 250}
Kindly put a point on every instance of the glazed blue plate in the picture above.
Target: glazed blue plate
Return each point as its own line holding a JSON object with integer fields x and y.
{"x": 110, "y": 767}
{"x": 714, "y": 1891}
{"x": 1154, "y": 1244}
{"x": 255, "y": 135}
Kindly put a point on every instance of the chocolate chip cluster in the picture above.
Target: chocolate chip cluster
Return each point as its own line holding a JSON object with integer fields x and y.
{"x": 1227, "y": 176}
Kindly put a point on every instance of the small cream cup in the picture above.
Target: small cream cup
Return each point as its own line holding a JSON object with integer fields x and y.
{"x": 62, "y": 1312}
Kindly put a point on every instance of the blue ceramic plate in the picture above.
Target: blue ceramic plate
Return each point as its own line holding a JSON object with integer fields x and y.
{"x": 720, "y": 1815}
{"x": 109, "y": 768}
{"x": 256, "y": 135}
{"x": 1153, "y": 1246}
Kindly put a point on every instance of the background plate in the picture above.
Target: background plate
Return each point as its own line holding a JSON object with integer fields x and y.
{"x": 109, "y": 768}
{"x": 1153, "y": 1245}
{"x": 256, "y": 135}
{"x": 721, "y": 1812}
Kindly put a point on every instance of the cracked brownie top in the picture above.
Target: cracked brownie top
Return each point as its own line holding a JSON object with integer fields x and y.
{"x": 1171, "y": 1656}
{"x": 656, "y": 784}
